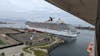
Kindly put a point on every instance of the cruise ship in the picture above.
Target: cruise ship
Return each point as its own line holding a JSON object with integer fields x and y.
{"x": 59, "y": 29}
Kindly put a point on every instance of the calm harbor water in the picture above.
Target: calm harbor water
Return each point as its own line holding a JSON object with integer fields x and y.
{"x": 75, "y": 48}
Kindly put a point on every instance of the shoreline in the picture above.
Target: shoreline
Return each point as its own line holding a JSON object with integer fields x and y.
{"x": 53, "y": 47}
{"x": 46, "y": 50}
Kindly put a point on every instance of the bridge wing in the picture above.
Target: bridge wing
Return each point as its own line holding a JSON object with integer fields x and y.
{"x": 84, "y": 9}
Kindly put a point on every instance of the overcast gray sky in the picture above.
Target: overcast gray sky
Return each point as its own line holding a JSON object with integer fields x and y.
{"x": 34, "y": 10}
{"x": 25, "y": 6}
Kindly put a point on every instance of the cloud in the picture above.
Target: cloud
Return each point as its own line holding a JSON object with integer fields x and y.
{"x": 26, "y": 8}
{"x": 26, "y": 5}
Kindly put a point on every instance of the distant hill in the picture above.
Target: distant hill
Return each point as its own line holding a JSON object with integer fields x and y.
{"x": 85, "y": 28}
{"x": 3, "y": 22}
{"x": 12, "y": 21}
{"x": 8, "y": 20}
